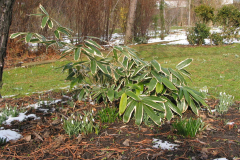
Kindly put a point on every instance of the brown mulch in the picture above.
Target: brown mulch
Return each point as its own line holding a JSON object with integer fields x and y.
{"x": 45, "y": 138}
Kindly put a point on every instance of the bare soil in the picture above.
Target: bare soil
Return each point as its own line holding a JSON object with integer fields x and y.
{"x": 45, "y": 138}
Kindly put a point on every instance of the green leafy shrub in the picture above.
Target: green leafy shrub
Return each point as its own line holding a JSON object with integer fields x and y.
{"x": 229, "y": 18}
{"x": 205, "y": 13}
{"x": 217, "y": 38}
{"x": 108, "y": 115}
{"x": 120, "y": 74}
{"x": 188, "y": 127}
{"x": 197, "y": 34}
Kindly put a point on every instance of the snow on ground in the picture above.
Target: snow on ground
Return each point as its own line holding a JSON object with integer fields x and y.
{"x": 9, "y": 135}
{"x": 157, "y": 143}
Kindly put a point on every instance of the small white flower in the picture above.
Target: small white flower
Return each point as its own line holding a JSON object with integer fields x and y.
{"x": 86, "y": 119}
{"x": 93, "y": 120}
{"x": 80, "y": 117}
{"x": 72, "y": 121}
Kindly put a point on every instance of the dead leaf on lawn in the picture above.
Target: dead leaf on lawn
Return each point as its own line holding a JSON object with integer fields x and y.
{"x": 27, "y": 138}
{"x": 80, "y": 137}
{"x": 126, "y": 142}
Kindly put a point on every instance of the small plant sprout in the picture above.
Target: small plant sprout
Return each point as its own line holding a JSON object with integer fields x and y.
{"x": 204, "y": 91}
{"x": 108, "y": 115}
{"x": 76, "y": 124}
{"x": 225, "y": 101}
{"x": 189, "y": 127}
{"x": 8, "y": 111}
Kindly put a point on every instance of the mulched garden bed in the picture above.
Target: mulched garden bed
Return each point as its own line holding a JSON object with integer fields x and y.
{"x": 45, "y": 138}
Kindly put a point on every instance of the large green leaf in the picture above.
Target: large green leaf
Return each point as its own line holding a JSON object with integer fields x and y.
{"x": 173, "y": 107}
{"x": 178, "y": 75}
{"x": 182, "y": 105}
{"x": 77, "y": 53}
{"x": 139, "y": 113}
{"x": 156, "y": 65}
{"x": 28, "y": 37}
{"x": 133, "y": 96}
{"x": 56, "y": 33}
{"x": 93, "y": 43}
{"x": 50, "y": 24}
{"x": 44, "y": 21}
{"x": 168, "y": 113}
{"x": 168, "y": 84}
{"x": 157, "y": 76}
{"x": 159, "y": 88}
{"x": 110, "y": 95}
{"x": 43, "y": 9}
{"x": 102, "y": 68}
{"x": 154, "y": 99}
{"x": 193, "y": 107}
{"x": 123, "y": 103}
{"x": 15, "y": 35}
{"x": 184, "y": 63}
{"x": 125, "y": 62}
{"x": 81, "y": 94}
{"x": 93, "y": 66}
{"x": 154, "y": 105}
{"x": 128, "y": 113}
{"x": 63, "y": 30}
{"x": 137, "y": 70}
{"x": 156, "y": 119}
{"x": 152, "y": 84}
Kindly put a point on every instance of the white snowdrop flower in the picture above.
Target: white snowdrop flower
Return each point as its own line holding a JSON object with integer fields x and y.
{"x": 73, "y": 117}
{"x": 92, "y": 111}
{"x": 80, "y": 117}
{"x": 72, "y": 121}
{"x": 93, "y": 120}
{"x": 220, "y": 93}
{"x": 61, "y": 119}
{"x": 86, "y": 119}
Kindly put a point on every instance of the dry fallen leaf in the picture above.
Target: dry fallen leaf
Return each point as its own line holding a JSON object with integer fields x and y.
{"x": 144, "y": 129}
{"x": 37, "y": 136}
{"x": 27, "y": 138}
{"x": 126, "y": 142}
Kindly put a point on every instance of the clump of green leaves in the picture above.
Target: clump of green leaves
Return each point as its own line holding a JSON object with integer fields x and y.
{"x": 205, "y": 13}
{"x": 8, "y": 111}
{"x": 225, "y": 101}
{"x": 197, "y": 34}
{"x": 121, "y": 75}
{"x": 217, "y": 38}
{"x": 108, "y": 115}
{"x": 3, "y": 141}
{"x": 188, "y": 127}
{"x": 76, "y": 124}
{"x": 228, "y": 17}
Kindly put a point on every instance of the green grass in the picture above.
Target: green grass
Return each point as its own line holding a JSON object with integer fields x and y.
{"x": 19, "y": 81}
{"x": 214, "y": 67}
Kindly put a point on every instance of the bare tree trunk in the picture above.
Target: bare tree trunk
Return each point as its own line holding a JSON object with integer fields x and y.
{"x": 130, "y": 22}
{"x": 5, "y": 22}
{"x": 162, "y": 19}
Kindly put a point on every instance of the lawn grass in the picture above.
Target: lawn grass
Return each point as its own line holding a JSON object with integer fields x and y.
{"x": 216, "y": 67}
{"x": 19, "y": 81}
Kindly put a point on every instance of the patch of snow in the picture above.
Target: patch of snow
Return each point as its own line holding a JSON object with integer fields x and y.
{"x": 230, "y": 123}
{"x": 20, "y": 118}
{"x": 220, "y": 159}
{"x": 10, "y": 135}
{"x": 163, "y": 145}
